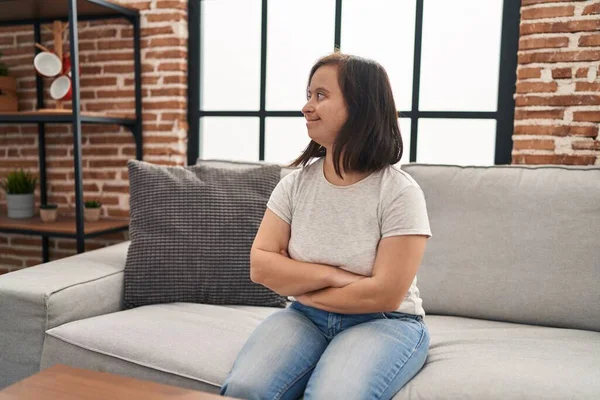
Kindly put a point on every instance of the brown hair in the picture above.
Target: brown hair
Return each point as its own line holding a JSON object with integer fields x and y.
{"x": 370, "y": 138}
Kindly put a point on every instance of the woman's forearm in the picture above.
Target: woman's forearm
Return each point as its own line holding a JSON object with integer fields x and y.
{"x": 289, "y": 277}
{"x": 357, "y": 298}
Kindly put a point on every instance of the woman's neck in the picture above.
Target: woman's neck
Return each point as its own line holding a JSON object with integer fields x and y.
{"x": 347, "y": 178}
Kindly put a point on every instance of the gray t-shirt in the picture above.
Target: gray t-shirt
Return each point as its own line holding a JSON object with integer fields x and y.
{"x": 342, "y": 225}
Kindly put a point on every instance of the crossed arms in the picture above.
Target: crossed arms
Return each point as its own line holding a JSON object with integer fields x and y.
{"x": 330, "y": 288}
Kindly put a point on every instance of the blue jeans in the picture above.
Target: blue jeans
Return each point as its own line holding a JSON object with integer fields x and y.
{"x": 325, "y": 355}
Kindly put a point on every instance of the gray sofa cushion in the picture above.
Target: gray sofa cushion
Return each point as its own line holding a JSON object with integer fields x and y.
{"x": 483, "y": 359}
{"x": 241, "y": 165}
{"x": 191, "y": 232}
{"x": 512, "y": 243}
{"x": 35, "y": 299}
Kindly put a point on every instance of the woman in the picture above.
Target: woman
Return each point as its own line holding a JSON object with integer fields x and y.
{"x": 355, "y": 228}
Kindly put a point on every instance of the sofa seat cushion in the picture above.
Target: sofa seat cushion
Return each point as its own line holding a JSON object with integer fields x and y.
{"x": 482, "y": 359}
{"x": 195, "y": 345}
{"x": 194, "y": 341}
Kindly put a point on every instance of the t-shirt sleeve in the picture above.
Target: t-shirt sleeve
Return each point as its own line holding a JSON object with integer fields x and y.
{"x": 405, "y": 213}
{"x": 281, "y": 200}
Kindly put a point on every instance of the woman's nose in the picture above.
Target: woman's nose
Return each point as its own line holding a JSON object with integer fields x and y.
{"x": 308, "y": 108}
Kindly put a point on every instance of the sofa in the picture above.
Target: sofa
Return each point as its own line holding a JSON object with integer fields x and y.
{"x": 510, "y": 282}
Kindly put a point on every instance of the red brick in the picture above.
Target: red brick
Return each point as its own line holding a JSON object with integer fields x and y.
{"x": 108, "y": 188}
{"x": 586, "y": 116}
{"x": 166, "y": 17}
{"x": 110, "y": 139}
{"x": 589, "y": 40}
{"x": 104, "y": 81}
{"x": 96, "y": 33}
{"x": 10, "y": 261}
{"x": 556, "y": 130}
{"x": 558, "y": 100}
{"x": 150, "y": 31}
{"x": 592, "y": 9}
{"x": 104, "y": 94}
{"x": 557, "y": 159}
{"x": 586, "y": 145}
{"x": 534, "y": 145}
{"x": 113, "y": 56}
{"x": 26, "y": 242}
{"x": 536, "y": 87}
{"x": 166, "y": 54}
{"x": 543, "y": 43}
{"x": 587, "y": 86}
{"x": 560, "y": 27}
{"x": 548, "y": 12}
{"x": 565, "y": 56}
{"x": 173, "y": 4}
{"x": 172, "y": 66}
{"x": 560, "y": 73}
{"x": 165, "y": 105}
{"x": 168, "y": 92}
{"x": 87, "y": 187}
{"x": 534, "y": 114}
{"x": 115, "y": 44}
{"x": 178, "y": 79}
{"x": 100, "y": 151}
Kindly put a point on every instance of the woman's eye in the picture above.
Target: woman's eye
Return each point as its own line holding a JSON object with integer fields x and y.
{"x": 318, "y": 93}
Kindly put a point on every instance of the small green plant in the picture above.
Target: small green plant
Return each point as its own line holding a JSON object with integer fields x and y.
{"x": 93, "y": 204}
{"x": 3, "y": 67}
{"x": 48, "y": 206}
{"x": 19, "y": 182}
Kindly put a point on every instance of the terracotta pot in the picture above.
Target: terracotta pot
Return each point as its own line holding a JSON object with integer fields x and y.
{"x": 92, "y": 214}
{"x": 8, "y": 94}
{"x": 48, "y": 215}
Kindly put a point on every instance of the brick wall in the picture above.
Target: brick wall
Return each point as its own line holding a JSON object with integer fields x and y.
{"x": 557, "y": 112}
{"x": 106, "y": 57}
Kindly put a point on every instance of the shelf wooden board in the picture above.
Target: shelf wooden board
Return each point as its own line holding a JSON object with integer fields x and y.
{"x": 30, "y": 10}
{"x": 65, "y": 116}
{"x": 64, "y": 225}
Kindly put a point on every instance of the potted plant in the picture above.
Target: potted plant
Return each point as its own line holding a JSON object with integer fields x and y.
{"x": 48, "y": 212}
{"x": 92, "y": 210}
{"x": 8, "y": 89}
{"x": 19, "y": 187}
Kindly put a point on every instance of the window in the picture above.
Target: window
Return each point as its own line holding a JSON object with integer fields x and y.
{"x": 452, "y": 66}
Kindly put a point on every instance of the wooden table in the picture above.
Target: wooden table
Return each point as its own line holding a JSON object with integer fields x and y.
{"x": 66, "y": 383}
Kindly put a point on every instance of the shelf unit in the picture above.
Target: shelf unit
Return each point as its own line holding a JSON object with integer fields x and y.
{"x": 36, "y": 13}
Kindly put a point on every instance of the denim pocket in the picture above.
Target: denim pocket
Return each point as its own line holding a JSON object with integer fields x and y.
{"x": 401, "y": 315}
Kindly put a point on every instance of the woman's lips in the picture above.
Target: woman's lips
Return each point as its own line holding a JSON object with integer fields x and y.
{"x": 312, "y": 122}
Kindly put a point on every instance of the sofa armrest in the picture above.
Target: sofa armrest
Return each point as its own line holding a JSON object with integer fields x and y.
{"x": 35, "y": 299}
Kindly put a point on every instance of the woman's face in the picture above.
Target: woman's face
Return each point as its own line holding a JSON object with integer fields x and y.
{"x": 325, "y": 110}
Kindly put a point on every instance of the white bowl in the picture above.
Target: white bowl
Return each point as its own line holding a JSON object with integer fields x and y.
{"x": 60, "y": 87}
{"x": 47, "y": 64}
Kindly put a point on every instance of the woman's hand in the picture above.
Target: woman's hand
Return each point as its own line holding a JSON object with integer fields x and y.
{"x": 343, "y": 278}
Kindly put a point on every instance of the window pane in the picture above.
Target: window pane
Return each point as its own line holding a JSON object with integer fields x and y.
{"x": 460, "y": 55}
{"x": 229, "y": 138}
{"x": 405, "y": 124}
{"x": 230, "y": 73}
{"x": 285, "y": 139}
{"x": 456, "y": 141}
{"x": 383, "y": 30}
{"x": 299, "y": 33}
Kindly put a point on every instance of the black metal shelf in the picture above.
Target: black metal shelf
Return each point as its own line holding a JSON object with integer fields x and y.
{"x": 36, "y": 13}
{"x": 62, "y": 118}
{"x": 28, "y": 12}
